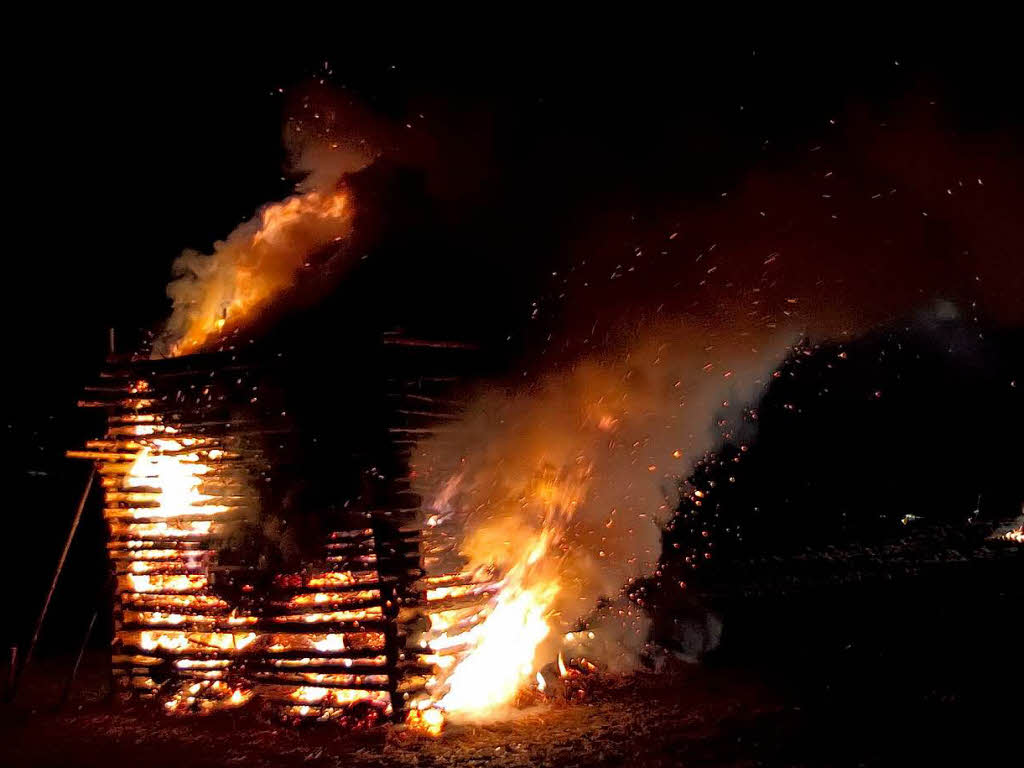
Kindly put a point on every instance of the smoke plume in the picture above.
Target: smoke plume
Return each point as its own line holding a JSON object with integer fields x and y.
{"x": 860, "y": 232}
{"x": 612, "y": 440}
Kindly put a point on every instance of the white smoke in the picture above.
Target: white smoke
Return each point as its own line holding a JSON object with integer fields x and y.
{"x": 636, "y": 422}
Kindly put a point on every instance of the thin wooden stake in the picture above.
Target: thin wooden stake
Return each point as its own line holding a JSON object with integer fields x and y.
{"x": 56, "y": 577}
{"x": 78, "y": 660}
{"x": 9, "y": 688}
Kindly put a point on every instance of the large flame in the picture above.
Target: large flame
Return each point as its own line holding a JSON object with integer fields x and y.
{"x": 497, "y": 648}
{"x": 174, "y": 476}
{"x": 215, "y": 293}
{"x": 504, "y": 650}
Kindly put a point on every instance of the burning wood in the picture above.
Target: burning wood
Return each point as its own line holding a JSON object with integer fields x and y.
{"x": 486, "y": 622}
{"x": 1014, "y": 532}
{"x": 164, "y": 521}
{"x": 365, "y": 632}
{"x": 175, "y": 485}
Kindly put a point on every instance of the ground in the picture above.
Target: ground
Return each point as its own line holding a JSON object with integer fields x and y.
{"x": 694, "y": 716}
{"x": 654, "y": 719}
{"x": 890, "y": 666}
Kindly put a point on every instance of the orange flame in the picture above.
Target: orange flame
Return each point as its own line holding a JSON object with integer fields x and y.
{"x": 217, "y": 293}
{"x": 499, "y": 645}
{"x": 429, "y": 721}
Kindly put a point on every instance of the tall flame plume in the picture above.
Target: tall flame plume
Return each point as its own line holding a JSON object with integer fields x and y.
{"x": 216, "y": 293}
{"x": 482, "y": 661}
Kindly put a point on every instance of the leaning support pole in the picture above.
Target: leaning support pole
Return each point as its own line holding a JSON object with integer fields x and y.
{"x": 56, "y": 578}
{"x": 11, "y": 670}
{"x": 78, "y": 661}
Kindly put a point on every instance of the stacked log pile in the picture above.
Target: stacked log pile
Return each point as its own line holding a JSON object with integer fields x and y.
{"x": 182, "y": 464}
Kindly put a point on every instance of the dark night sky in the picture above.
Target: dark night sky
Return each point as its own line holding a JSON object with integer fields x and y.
{"x": 514, "y": 165}
{"x": 525, "y": 162}
{"x": 520, "y": 166}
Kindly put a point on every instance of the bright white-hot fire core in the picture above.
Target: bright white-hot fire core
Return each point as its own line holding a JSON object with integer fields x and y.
{"x": 484, "y": 659}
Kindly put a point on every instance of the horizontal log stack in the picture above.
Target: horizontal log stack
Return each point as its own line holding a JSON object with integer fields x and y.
{"x": 447, "y": 599}
{"x": 182, "y": 463}
{"x": 177, "y": 482}
{"x": 181, "y": 466}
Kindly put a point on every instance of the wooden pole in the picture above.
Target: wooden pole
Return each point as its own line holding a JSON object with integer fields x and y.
{"x": 56, "y": 577}
{"x": 78, "y": 660}
{"x": 9, "y": 688}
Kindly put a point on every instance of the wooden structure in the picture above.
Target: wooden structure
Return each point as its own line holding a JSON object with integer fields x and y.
{"x": 200, "y": 626}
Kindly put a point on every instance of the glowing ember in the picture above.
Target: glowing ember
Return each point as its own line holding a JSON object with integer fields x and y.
{"x": 206, "y": 696}
{"x": 176, "y": 583}
{"x": 330, "y": 643}
{"x": 1013, "y": 532}
{"x": 429, "y": 721}
{"x": 1016, "y": 536}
